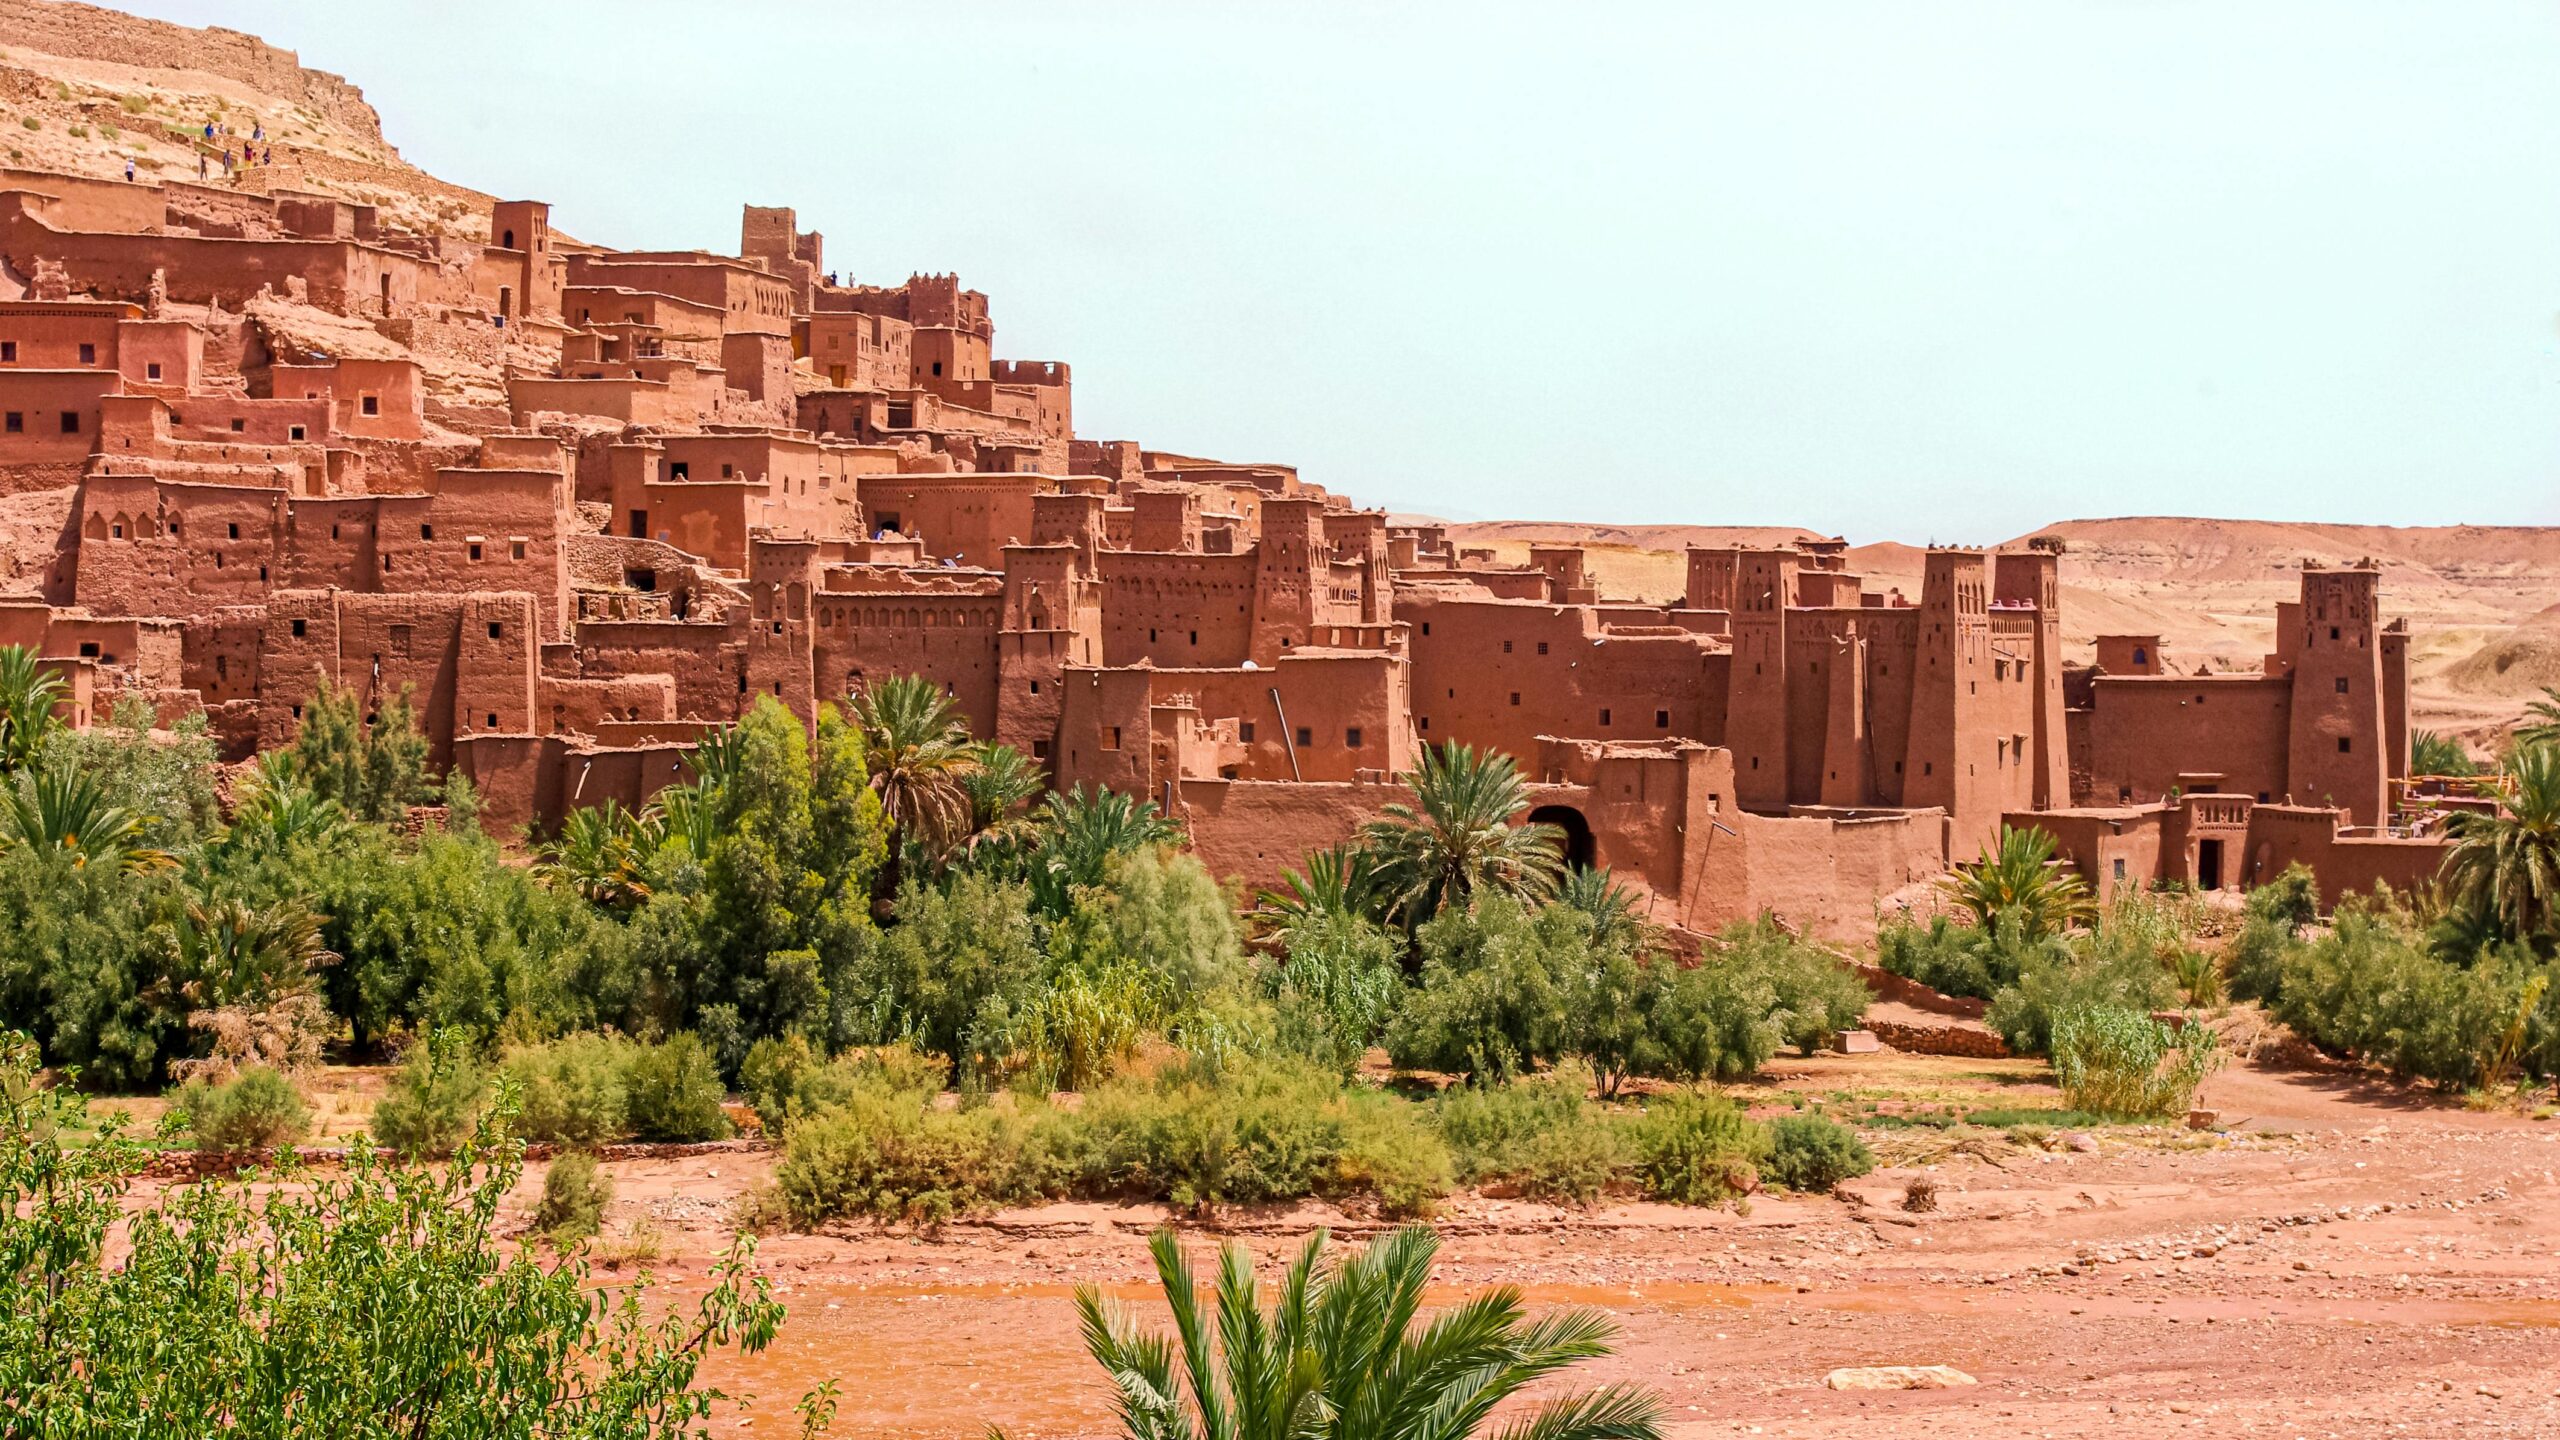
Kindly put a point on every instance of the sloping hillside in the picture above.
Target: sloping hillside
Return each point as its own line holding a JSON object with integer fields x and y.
{"x": 103, "y": 88}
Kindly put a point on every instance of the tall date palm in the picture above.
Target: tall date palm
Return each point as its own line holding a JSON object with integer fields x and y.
{"x": 1456, "y": 838}
{"x": 2505, "y": 864}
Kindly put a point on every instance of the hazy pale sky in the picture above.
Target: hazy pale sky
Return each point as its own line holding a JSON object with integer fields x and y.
{"x": 1907, "y": 269}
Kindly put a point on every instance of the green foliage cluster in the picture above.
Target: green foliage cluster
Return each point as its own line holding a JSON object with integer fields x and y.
{"x": 378, "y": 1296}
{"x": 575, "y": 1191}
{"x": 256, "y": 1110}
{"x": 1505, "y": 990}
{"x": 2113, "y": 1061}
{"x": 1813, "y": 1153}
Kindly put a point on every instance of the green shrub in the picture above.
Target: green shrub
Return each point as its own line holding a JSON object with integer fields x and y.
{"x": 134, "y": 104}
{"x": 1492, "y": 1002}
{"x": 892, "y": 1157}
{"x": 574, "y": 1091}
{"x": 1251, "y": 1134}
{"x": 2122, "y": 1062}
{"x": 1336, "y": 990}
{"x": 1813, "y": 1153}
{"x": 1540, "y": 1135}
{"x": 675, "y": 1092}
{"x": 785, "y": 1080}
{"x": 1698, "y": 1149}
{"x": 1812, "y": 995}
{"x": 2119, "y": 977}
{"x": 259, "y": 1109}
{"x": 434, "y": 1098}
{"x": 2371, "y": 988}
{"x": 1712, "y": 1021}
{"x": 574, "y": 1194}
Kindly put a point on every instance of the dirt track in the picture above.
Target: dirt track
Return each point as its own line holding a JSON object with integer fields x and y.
{"x": 2349, "y": 1262}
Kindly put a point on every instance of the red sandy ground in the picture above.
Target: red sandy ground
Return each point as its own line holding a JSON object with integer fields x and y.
{"x": 2349, "y": 1261}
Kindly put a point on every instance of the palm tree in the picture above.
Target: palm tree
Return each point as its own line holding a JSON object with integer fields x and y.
{"x": 1615, "y": 918}
{"x": 1340, "y": 1355}
{"x": 2432, "y": 753}
{"x": 1338, "y": 882}
{"x": 28, "y": 692}
{"x": 1456, "y": 838}
{"x": 2542, "y": 725}
{"x": 602, "y": 852}
{"x": 1079, "y": 836}
{"x": 277, "y": 810}
{"x": 916, "y": 744}
{"x": 225, "y": 952}
{"x": 2506, "y": 863}
{"x": 1000, "y": 788}
{"x": 59, "y": 811}
{"x": 2017, "y": 877}
{"x": 684, "y": 813}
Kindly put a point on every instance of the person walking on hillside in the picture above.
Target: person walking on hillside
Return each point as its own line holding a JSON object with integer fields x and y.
{"x": 226, "y": 159}
{"x": 258, "y": 131}
{"x": 128, "y": 171}
{"x": 208, "y": 130}
{"x": 200, "y": 165}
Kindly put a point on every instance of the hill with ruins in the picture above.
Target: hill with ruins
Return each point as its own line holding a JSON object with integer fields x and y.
{"x": 284, "y": 411}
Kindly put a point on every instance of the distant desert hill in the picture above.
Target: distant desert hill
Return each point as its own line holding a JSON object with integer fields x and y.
{"x": 2480, "y": 599}
{"x": 104, "y": 87}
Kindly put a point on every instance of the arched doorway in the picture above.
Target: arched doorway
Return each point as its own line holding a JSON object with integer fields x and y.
{"x": 1580, "y": 849}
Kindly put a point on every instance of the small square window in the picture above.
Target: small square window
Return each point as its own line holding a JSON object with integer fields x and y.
{"x": 238, "y": 425}
{"x": 2342, "y": 684}
{"x": 1110, "y": 737}
{"x": 8, "y": 351}
{"x": 1604, "y": 715}
{"x": 497, "y": 631}
{"x": 1515, "y": 697}
{"x": 297, "y": 629}
{"x": 2346, "y": 744}
{"x": 1035, "y": 687}
{"x": 1244, "y": 731}
{"x": 296, "y": 432}
{"x": 151, "y": 371}
{"x": 2333, "y": 632}
{"x": 493, "y": 720}
{"x": 88, "y": 354}
{"x": 1661, "y": 719}
{"x": 475, "y": 549}
{"x": 426, "y": 532}
{"x": 1506, "y": 647}
{"x": 2119, "y": 870}
{"x": 1542, "y": 647}
{"x": 234, "y": 528}
{"x": 1306, "y": 737}
{"x": 1351, "y": 738}
{"x": 515, "y": 549}
{"x": 372, "y": 405}
{"x": 1039, "y": 749}
{"x": 17, "y": 422}
{"x": 70, "y": 422}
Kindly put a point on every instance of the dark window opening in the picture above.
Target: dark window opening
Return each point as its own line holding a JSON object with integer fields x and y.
{"x": 2346, "y": 744}
{"x": 1306, "y": 737}
{"x": 371, "y": 405}
{"x": 297, "y": 629}
{"x": 497, "y": 630}
{"x": 1351, "y": 738}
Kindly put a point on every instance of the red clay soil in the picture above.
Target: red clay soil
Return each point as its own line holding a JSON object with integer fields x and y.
{"x": 2347, "y": 1261}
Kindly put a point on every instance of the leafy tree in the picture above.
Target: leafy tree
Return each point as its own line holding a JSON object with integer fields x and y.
{"x": 1456, "y": 838}
{"x": 377, "y": 1300}
{"x": 164, "y": 779}
{"x": 1812, "y": 996}
{"x": 1342, "y": 1353}
{"x": 73, "y": 962}
{"x": 1336, "y": 988}
{"x": 28, "y": 693}
{"x": 2017, "y": 876}
{"x": 1496, "y": 994}
{"x": 780, "y": 907}
{"x": 375, "y": 770}
{"x": 930, "y": 978}
{"x": 2506, "y": 863}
